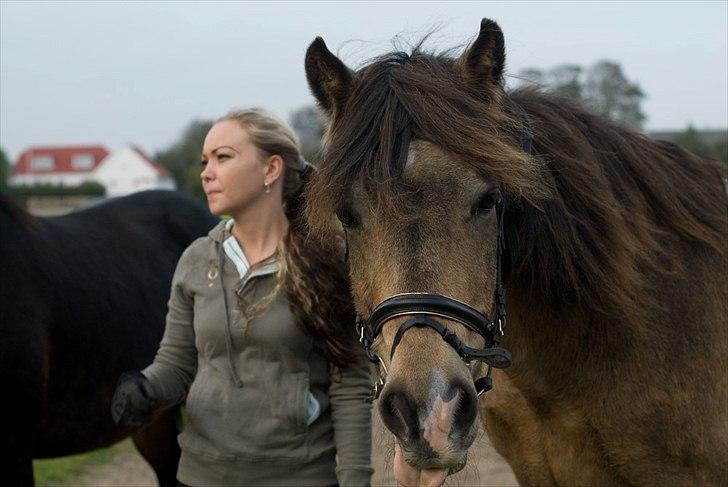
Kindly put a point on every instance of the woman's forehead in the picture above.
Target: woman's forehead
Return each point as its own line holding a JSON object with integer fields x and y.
{"x": 225, "y": 133}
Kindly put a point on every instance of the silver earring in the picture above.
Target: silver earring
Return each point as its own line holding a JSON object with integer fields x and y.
{"x": 267, "y": 189}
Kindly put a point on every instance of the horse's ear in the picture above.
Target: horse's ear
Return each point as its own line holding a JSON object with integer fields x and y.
{"x": 482, "y": 63}
{"x": 328, "y": 77}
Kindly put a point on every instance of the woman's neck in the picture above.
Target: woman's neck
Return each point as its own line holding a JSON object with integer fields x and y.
{"x": 258, "y": 231}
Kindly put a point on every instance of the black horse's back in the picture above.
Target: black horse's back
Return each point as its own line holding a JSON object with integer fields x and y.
{"x": 84, "y": 298}
{"x": 166, "y": 216}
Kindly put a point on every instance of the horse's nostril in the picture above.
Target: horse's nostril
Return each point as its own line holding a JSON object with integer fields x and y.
{"x": 399, "y": 413}
{"x": 467, "y": 408}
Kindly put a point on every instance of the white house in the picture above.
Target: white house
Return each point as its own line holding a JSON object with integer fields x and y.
{"x": 129, "y": 170}
{"x": 126, "y": 170}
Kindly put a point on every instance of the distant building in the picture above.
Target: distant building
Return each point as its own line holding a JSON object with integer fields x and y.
{"x": 126, "y": 170}
{"x": 69, "y": 166}
{"x": 129, "y": 170}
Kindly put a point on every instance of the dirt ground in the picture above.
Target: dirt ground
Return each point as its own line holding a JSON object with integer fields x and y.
{"x": 485, "y": 467}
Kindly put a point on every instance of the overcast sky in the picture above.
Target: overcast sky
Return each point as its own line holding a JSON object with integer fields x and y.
{"x": 116, "y": 73}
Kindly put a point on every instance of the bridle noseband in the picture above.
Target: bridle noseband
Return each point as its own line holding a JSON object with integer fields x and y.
{"x": 422, "y": 307}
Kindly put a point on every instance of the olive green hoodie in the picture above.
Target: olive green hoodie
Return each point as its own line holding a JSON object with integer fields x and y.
{"x": 252, "y": 387}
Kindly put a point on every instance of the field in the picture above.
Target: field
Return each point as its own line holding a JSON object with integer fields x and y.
{"x": 122, "y": 466}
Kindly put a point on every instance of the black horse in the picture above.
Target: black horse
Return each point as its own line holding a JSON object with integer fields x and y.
{"x": 83, "y": 299}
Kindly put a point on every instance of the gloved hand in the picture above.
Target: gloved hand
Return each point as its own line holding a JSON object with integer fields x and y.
{"x": 135, "y": 400}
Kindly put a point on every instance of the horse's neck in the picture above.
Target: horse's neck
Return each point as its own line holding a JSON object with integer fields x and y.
{"x": 557, "y": 348}
{"x": 21, "y": 234}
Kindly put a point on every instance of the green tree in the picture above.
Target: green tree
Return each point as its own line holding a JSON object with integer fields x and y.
{"x": 602, "y": 87}
{"x": 720, "y": 150}
{"x": 183, "y": 157}
{"x": 192, "y": 185}
{"x": 309, "y": 127}
{"x": 4, "y": 171}
{"x": 691, "y": 141}
{"x": 23, "y": 192}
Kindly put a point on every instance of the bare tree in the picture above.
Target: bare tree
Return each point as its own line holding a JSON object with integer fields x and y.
{"x": 602, "y": 87}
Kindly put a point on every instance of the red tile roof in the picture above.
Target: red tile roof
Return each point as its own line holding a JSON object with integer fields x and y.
{"x": 62, "y": 157}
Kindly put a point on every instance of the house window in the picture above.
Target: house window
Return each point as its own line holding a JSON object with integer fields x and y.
{"x": 42, "y": 163}
{"x": 83, "y": 161}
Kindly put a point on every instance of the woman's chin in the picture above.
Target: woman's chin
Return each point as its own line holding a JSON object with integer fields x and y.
{"x": 216, "y": 208}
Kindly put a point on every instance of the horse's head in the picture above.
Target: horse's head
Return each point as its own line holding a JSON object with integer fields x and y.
{"x": 421, "y": 151}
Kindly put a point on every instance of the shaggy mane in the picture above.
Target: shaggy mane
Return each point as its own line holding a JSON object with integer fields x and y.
{"x": 591, "y": 210}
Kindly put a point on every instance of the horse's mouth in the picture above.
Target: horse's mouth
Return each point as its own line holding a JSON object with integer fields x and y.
{"x": 408, "y": 465}
{"x": 458, "y": 466}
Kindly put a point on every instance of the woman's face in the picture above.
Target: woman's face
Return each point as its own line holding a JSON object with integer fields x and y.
{"x": 234, "y": 172}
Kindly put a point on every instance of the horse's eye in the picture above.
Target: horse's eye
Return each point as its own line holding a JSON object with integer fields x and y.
{"x": 486, "y": 202}
{"x": 347, "y": 217}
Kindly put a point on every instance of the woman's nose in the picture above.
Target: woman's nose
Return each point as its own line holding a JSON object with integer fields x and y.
{"x": 207, "y": 173}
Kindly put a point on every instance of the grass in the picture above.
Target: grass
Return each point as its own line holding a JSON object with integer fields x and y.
{"x": 58, "y": 470}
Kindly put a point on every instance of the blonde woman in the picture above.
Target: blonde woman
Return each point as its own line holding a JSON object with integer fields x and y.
{"x": 259, "y": 336}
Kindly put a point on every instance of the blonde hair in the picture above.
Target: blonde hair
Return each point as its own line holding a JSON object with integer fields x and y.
{"x": 313, "y": 276}
{"x": 272, "y": 136}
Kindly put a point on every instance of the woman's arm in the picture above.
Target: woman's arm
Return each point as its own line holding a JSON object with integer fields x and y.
{"x": 175, "y": 365}
{"x": 351, "y": 416}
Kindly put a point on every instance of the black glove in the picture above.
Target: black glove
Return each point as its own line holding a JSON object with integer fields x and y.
{"x": 135, "y": 400}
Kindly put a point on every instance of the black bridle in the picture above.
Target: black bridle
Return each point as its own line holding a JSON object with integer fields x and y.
{"x": 424, "y": 307}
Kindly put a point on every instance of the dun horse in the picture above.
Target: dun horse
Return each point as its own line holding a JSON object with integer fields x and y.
{"x": 464, "y": 204}
{"x": 83, "y": 299}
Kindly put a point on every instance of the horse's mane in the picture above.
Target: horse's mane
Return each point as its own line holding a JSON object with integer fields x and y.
{"x": 617, "y": 197}
{"x": 590, "y": 209}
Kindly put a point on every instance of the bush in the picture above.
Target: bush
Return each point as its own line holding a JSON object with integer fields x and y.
{"x": 88, "y": 188}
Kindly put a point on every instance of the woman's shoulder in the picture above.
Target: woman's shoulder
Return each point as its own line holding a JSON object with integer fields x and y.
{"x": 201, "y": 249}
{"x": 202, "y": 246}
{"x": 198, "y": 247}
{"x": 195, "y": 259}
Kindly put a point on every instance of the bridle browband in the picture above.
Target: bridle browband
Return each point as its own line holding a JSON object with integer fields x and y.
{"x": 422, "y": 307}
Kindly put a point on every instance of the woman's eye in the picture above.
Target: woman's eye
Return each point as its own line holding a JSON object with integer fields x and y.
{"x": 203, "y": 162}
{"x": 347, "y": 217}
{"x": 486, "y": 202}
{"x": 223, "y": 157}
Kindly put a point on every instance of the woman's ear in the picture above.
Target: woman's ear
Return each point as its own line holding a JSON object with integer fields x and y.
{"x": 273, "y": 169}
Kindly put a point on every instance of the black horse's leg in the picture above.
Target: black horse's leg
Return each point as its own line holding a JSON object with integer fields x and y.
{"x": 16, "y": 460}
{"x": 22, "y": 362}
{"x": 157, "y": 443}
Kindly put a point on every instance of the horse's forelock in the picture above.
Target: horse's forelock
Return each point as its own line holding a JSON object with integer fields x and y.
{"x": 400, "y": 96}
